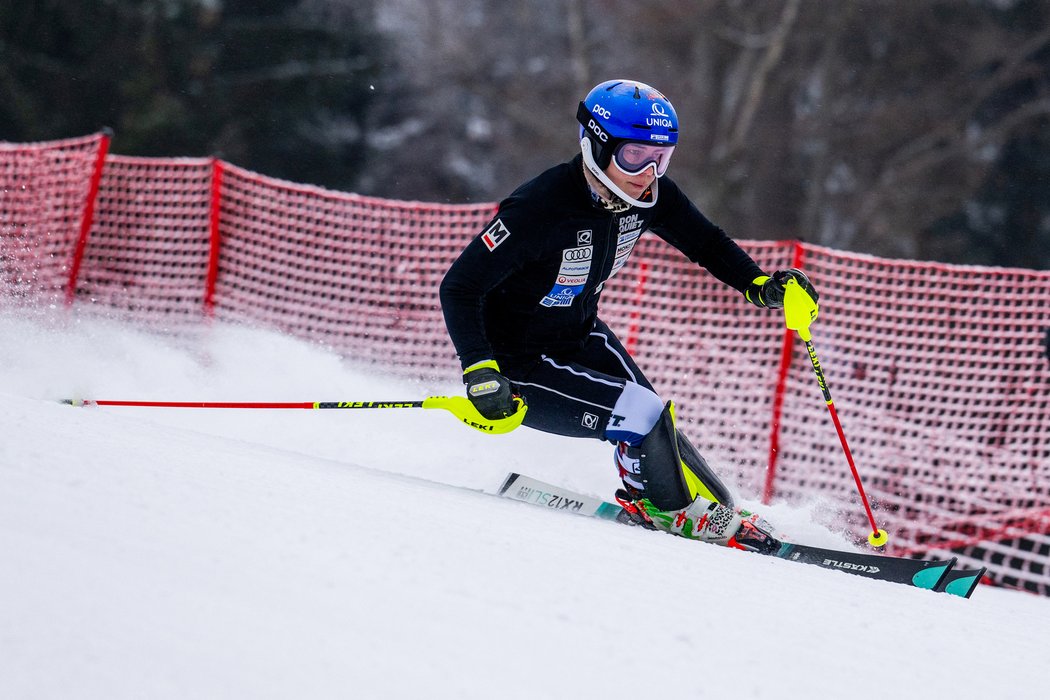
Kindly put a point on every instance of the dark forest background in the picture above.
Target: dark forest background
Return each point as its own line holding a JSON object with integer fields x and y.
{"x": 902, "y": 128}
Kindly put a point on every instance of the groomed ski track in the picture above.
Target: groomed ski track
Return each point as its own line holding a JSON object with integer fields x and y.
{"x": 292, "y": 554}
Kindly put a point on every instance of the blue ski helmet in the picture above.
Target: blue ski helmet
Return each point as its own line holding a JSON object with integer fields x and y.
{"x": 619, "y": 111}
{"x": 626, "y": 110}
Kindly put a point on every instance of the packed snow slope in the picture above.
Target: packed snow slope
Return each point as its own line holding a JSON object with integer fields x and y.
{"x": 165, "y": 553}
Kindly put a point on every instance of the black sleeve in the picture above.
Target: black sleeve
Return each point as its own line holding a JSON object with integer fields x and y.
{"x": 682, "y": 225}
{"x": 502, "y": 248}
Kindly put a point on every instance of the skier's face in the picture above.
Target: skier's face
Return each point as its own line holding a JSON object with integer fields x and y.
{"x": 632, "y": 185}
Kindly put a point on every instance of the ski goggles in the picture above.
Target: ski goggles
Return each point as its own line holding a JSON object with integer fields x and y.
{"x": 632, "y": 157}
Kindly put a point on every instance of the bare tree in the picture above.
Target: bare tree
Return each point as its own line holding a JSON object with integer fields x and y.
{"x": 857, "y": 125}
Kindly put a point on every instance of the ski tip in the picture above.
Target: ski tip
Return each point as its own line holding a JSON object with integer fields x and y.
{"x": 962, "y": 582}
{"x": 932, "y": 576}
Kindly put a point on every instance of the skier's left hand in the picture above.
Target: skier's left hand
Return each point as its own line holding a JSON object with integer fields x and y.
{"x": 768, "y": 291}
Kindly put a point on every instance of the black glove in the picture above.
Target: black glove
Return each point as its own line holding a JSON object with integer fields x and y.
{"x": 489, "y": 391}
{"x": 768, "y": 292}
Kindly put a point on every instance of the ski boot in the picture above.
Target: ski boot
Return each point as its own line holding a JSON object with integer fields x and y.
{"x": 706, "y": 521}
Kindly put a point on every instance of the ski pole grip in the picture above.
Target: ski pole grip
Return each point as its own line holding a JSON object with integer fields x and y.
{"x": 464, "y": 410}
{"x": 799, "y": 309}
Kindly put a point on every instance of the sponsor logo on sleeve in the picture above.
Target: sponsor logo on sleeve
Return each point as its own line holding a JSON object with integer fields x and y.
{"x": 629, "y": 237}
{"x": 584, "y": 252}
{"x": 495, "y": 234}
{"x": 560, "y": 295}
{"x": 584, "y": 237}
{"x": 572, "y": 280}
{"x": 630, "y": 223}
{"x": 631, "y": 228}
{"x": 572, "y": 276}
{"x": 574, "y": 269}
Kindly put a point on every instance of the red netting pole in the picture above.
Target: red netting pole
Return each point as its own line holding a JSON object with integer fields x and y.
{"x": 89, "y": 216}
{"x": 636, "y": 304}
{"x": 786, "y": 350}
{"x": 213, "y": 224}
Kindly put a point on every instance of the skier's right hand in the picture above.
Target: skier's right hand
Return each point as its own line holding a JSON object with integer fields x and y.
{"x": 490, "y": 392}
{"x": 768, "y": 291}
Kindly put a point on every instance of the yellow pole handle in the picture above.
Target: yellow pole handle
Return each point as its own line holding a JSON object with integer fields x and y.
{"x": 463, "y": 409}
{"x": 799, "y": 309}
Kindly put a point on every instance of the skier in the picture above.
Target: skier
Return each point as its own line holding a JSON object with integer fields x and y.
{"x": 521, "y": 301}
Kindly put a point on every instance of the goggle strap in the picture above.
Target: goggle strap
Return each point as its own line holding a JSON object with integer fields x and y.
{"x": 591, "y": 125}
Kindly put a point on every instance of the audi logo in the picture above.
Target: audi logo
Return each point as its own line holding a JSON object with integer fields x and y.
{"x": 574, "y": 254}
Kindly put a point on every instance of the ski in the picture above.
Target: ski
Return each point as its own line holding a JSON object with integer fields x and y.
{"x": 929, "y": 574}
{"x": 529, "y": 490}
{"x": 921, "y": 573}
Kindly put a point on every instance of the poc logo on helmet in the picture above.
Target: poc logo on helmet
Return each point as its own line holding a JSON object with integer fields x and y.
{"x": 598, "y": 131}
{"x": 602, "y": 112}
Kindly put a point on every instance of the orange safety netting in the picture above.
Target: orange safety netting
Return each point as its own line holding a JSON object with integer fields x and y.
{"x": 941, "y": 372}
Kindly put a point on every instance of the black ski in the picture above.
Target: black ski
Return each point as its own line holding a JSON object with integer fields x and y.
{"x": 921, "y": 573}
{"x": 930, "y": 574}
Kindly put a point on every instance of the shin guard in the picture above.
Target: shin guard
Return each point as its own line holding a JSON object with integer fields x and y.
{"x": 671, "y": 470}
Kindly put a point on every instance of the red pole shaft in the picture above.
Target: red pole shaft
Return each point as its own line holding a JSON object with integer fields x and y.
{"x": 203, "y": 404}
{"x": 852, "y": 465}
{"x": 248, "y": 404}
{"x": 838, "y": 428}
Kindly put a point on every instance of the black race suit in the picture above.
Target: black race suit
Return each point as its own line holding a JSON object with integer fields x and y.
{"x": 525, "y": 292}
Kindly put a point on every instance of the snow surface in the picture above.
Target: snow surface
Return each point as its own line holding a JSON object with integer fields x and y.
{"x": 167, "y": 553}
